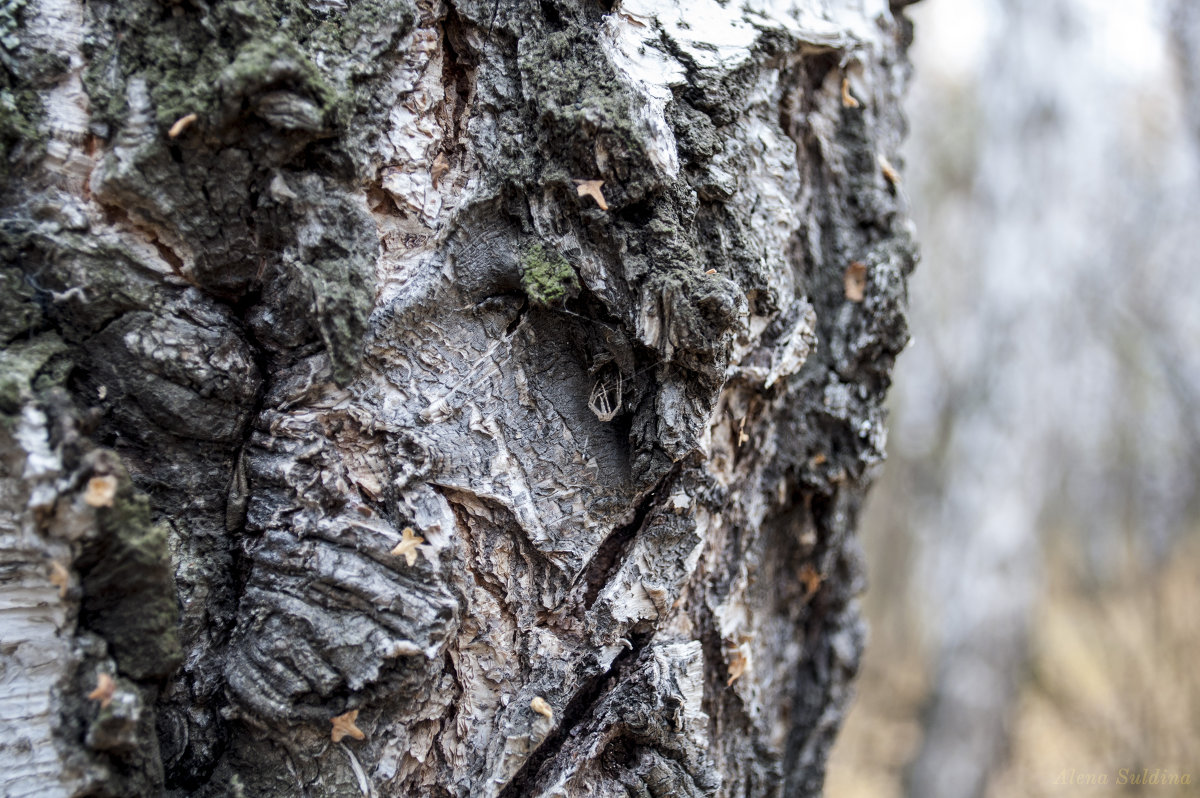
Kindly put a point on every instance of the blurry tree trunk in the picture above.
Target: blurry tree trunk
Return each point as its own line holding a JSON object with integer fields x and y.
{"x": 1185, "y": 27}
{"x": 981, "y": 567}
{"x": 1064, "y": 400}
{"x": 452, "y": 399}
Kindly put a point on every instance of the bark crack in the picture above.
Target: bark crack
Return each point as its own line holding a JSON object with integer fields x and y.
{"x": 578, "y": 710}
{"x": 612, "y": 550}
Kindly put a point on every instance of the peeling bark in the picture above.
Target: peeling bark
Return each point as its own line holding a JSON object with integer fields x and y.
{"x": 311, "y": 282}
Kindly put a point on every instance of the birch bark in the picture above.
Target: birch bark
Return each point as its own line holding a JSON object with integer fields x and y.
{"x": 491, "y": 385}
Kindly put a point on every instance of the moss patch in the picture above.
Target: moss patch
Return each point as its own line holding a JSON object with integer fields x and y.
{"x": 30, "y": 367}
{"x": 128, "y": 585}
{"x": 18, "y": 311}
{"x": 20, "y": 107}
{"x": 280, "y": 90}
{"x": 208, "y": 58}
{"x": 547, "y": 278}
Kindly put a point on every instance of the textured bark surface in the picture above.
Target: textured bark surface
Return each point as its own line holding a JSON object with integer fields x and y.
{"x": 286, "y": 284}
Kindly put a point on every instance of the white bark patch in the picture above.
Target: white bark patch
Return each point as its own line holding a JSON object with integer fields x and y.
{"x": 771, "y": 185}
{"x": 57, "y": 26}
{"x": 36, "y": 660}
{"x": 651, "y": 73}
{"x": 417, "y": 131}
{"x": 714, "y": 36}
{"x": 718, "y": 35}
{"x": 683, "y": 664}
{"x": 417, "y": 167}
{"x": 414, "y": 135}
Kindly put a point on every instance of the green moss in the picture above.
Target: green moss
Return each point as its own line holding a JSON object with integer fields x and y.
{"x": 128, "y": 584}
{"x": 579, "y": 107}
{"x": 186, "y": 71}
{"x": 342, "y": 299}
{"x": 569, "y": 87}
{"x": 547, "y": 278}
{"x": 208, "y": 59}
{"x": 10, "y": 23}
{"x": 263, "y": 62}
{"x": 20, "y": 112}
{"x": 276, "y": 86}
{"x": 28, "y": 368}
{"x": 20, "y": 106}
{"x": 18, "y": 311}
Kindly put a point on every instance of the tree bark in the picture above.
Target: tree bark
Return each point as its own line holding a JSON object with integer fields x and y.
{"x": 467, "y": 398}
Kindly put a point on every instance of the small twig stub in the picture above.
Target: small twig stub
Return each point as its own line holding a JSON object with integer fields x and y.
{"x": 541, "y": 707}
{"x": 181, "y": 124}
{"x": 848, "y": 99}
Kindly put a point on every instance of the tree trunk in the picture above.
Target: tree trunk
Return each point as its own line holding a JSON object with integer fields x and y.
{"x": 450, "y": 399}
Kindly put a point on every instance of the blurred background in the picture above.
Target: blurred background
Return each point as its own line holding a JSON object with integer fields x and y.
{"x": 1034, "y": 540}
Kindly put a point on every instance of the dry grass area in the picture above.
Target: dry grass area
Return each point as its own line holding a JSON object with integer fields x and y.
{"x": 1112, "y": 694}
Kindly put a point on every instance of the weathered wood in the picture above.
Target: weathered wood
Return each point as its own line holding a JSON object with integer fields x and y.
{"x": 550, "y": 295}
